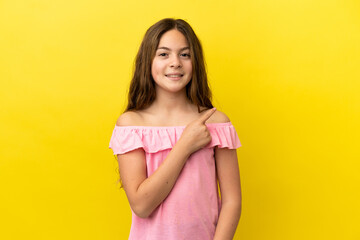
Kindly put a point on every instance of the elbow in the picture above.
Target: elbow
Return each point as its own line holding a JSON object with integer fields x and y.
{"x": 141, "y": 211}
{"x": 240, "y": 209}
{"x": 141, "y": 205}
{"x": 239, "y": 206}
{"x": 235, "y": 206}
{"x": 141, "y": 214}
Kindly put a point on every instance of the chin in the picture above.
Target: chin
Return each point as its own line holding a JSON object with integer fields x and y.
{"x": 176, "y": 90}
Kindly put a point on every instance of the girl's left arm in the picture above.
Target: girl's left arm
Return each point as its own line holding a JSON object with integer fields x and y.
{"x": 229, "y": 181}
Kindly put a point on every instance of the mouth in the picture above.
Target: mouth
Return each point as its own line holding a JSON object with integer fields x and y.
{"x": 174, "y": 75}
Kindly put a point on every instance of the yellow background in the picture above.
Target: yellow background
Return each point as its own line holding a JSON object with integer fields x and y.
{"x": 286, "y": 72}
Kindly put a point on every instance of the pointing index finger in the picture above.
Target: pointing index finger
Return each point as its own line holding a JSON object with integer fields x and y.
{"x": 207, "y": 115}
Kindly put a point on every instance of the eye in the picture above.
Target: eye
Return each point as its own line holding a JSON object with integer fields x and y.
{"x": 163, "y": 54}
{"x": 185, "y": 55}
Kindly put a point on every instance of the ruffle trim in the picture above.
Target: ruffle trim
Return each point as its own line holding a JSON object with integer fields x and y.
{"x": 154, "y": 139}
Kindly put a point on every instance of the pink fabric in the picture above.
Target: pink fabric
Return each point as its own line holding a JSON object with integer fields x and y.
{"x": 192, "y": 208}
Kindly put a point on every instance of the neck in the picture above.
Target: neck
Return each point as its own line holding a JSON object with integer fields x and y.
{"x": 171, "y": 103}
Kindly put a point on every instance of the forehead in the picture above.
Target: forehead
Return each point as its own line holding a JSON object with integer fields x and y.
{"x": 173, "y": 39}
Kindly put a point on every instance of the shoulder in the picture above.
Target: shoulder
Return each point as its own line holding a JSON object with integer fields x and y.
{"x": 129, "y": 118}
{"x": 218, "y": 117}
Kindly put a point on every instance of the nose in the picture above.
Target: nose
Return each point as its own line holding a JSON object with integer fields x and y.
{"x": 175, "y": 62}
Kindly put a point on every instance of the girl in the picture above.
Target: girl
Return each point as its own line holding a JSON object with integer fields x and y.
{"x": 173, "y": 146}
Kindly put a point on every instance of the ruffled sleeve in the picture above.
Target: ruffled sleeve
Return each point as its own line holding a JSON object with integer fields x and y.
{"x": 223, "y": 135}
{"x": 124, "y": 139}
{"x": 151, "y": 139}
{"x": 154, "y": 139}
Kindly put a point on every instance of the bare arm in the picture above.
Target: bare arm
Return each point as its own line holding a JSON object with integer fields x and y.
{"x": 230, "y": 188}
{"x": 146, "y": 193}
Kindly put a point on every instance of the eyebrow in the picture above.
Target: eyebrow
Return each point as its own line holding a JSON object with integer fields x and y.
{"x": 182, "y": 49}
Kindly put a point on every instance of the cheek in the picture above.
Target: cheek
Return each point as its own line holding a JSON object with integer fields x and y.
{"x": 190, "y": 69}
{"x": 156, "y": 68}
{"x": 152, "y": 70}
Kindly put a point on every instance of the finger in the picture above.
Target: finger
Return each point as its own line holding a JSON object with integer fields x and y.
{"x": 207, "y": 115}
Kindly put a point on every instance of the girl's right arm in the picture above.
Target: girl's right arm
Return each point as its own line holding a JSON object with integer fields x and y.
{"x": 146, "y": 193}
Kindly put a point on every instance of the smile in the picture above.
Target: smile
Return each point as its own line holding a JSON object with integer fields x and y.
{"x": 174, "y": 75}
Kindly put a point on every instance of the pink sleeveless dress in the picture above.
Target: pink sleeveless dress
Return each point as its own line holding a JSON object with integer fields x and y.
{"x": 191, "y": 209}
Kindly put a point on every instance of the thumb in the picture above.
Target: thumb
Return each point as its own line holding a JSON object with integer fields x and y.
{"x": 207, "y": 115}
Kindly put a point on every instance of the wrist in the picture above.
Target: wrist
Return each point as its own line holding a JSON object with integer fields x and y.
{"x": 183, "y": 148}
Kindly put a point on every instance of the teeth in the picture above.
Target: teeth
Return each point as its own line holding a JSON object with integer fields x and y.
{"x": 174, "y": 75}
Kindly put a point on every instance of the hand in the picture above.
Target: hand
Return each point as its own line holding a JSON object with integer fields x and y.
{"x": 196, "y": 135}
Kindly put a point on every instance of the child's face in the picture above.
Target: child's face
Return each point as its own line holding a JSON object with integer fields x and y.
{"x": 172, "y": 57}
